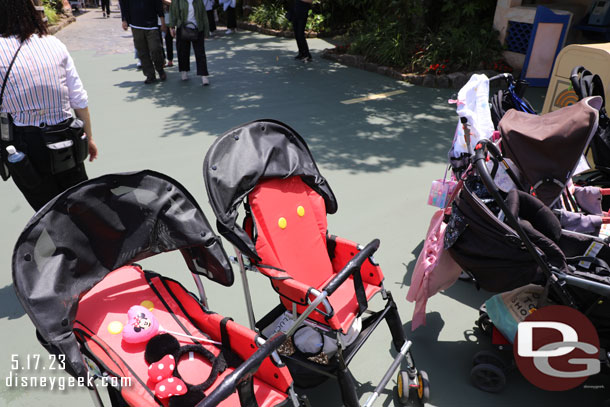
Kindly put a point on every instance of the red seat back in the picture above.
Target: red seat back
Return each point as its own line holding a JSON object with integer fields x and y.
{"x": 290, "y": 221}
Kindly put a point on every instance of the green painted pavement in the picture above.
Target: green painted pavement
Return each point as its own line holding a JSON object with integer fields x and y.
{"x": 379, "y": 157}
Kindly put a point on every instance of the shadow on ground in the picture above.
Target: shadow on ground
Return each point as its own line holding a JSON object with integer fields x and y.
{"x": 10, "y": 307}
{"x": 406, "y": 129}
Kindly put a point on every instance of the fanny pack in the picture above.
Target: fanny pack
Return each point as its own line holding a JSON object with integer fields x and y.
{"x": 67, "y": 146}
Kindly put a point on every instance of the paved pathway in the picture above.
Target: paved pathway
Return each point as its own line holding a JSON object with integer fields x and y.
{"x": 379, "y": 156}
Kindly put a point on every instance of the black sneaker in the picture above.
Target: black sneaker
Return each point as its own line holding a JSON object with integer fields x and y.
{"x": 307, "y": 59}
{"x": 150, "y": 79}
{"x": 299, "y": 56}
{"x": 162, "y": 75}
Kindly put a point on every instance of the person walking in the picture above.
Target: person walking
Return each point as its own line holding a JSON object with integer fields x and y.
{"x": 209, "y": 8}
{"x": 42, "y": 144}
{"x": 106, "y": 8}
{"x": 166, "y": 36}
{"x": 142, "y": 17}
{"x": 299, "y": 21}
{"x": 229, "y": 7}
{"x": 189, "y": 24}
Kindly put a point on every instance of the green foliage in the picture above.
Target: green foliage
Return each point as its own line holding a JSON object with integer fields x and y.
{"x": 270, "y": 14}
{"x": 435, "y": 36}
{"x": 55, "y": 5}
{"x": 316, "y": 22}
{"x": 386, "y": 44}
{"x": 51, "y": 15}
{"x": 52, "y": 9}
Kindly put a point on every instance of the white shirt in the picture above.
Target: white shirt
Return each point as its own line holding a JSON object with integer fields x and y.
{"x": 43, "y": 85}
{"x": 190, "y": 18}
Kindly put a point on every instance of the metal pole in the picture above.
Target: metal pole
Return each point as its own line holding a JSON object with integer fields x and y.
{"x": 386, "y": 378}
{"x": 244, "y": 278}
{"x": 319, "y": 299}
{"x": 95, "y": 396}
{"x": 201, "y": 289}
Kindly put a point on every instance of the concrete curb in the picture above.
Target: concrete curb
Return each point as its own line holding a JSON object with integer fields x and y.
{"x": 62, "y": 23}
{"x": 244, "y": 25}
{"x": 453, "y": 80}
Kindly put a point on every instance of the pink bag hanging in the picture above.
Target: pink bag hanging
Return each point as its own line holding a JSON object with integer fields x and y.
{"x": 435, "y": 269}
{"x": 441, "y": 191}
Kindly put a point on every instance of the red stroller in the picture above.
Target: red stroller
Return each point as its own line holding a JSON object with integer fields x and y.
{"x": 323, "y": 281}
{"x": 74, "y": 273}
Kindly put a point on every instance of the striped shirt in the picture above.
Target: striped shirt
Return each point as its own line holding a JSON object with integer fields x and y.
{"x": 43, "y": 85}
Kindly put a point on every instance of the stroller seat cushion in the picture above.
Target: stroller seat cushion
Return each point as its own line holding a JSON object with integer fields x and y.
{"x": 291, "y": 226}
{"x": 528, "y": 207}
{"x": 177, "y": 311}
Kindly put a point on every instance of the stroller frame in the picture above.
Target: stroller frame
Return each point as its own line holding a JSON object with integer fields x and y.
{"x": 555, "y": 279}
{"x": 344, "y": 354}
{"x": 269, "y": 151}
{"x": 157, "y": 205}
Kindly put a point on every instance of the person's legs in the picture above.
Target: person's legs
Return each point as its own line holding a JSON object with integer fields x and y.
{"x": 211, "y": 20}
{"x": 231, "y": 18}
{"x": 155, "y": 48}
{"x": 169, "y": 45}
{"x": 200, "y": 58}
{"x": 71, "y": 177}
{"x": 183, "y": 48}
{"x": 301, "y": 10}
{"x": 161, "y": 38}
{"x": 141, "y": 44}
{"x": 37, "y": 193}
{"x": 106, "y": 7}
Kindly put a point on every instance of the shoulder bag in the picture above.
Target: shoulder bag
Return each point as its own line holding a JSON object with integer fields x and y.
{"x": 188, "y": 31}
{"x": 6, "y": 123}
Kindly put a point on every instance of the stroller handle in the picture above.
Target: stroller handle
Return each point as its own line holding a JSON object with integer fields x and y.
{"x": 506, "y": 76}
{"x": 243, "y": 372}
{"x": 352, "y": 266}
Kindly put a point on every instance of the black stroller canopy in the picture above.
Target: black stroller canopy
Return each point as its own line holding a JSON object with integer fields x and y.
{"x": 248, "y": 153}
{"x": 79, "y": 237}
{"x": 548, "y": 148}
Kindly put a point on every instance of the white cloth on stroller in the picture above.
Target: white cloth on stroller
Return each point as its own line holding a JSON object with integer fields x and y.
{"x": 473, "y": 104}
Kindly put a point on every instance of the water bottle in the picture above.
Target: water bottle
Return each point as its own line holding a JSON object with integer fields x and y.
{"x": 21, "y": 168}
{"x": 14, "y": 156}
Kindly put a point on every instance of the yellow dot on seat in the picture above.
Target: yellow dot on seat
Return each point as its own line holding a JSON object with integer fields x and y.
{"x": 148, "y": 305}
{"x": 301, "y": 211}
{"x": 115, "y": 327}
{"x": 282, "y": 223}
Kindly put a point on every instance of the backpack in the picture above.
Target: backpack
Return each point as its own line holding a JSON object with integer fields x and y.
{"x": 585, "y": 84}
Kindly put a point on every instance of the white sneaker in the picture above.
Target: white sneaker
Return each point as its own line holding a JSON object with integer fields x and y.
{"x": 205, "y": 81}
{"x": 184, "y": 75}
{"x": 229, "y": 31}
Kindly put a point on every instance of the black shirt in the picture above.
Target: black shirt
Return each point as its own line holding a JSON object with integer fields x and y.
{"x": 141, "y": 13}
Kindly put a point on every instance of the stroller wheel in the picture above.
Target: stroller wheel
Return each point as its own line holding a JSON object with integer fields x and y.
{"x": 488, "y": 377}
{"x": 484, "y": 323}
{"x": 423, "y": 388}
{"x": 490, "y": 358}
{"x": 402, "y": 387}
